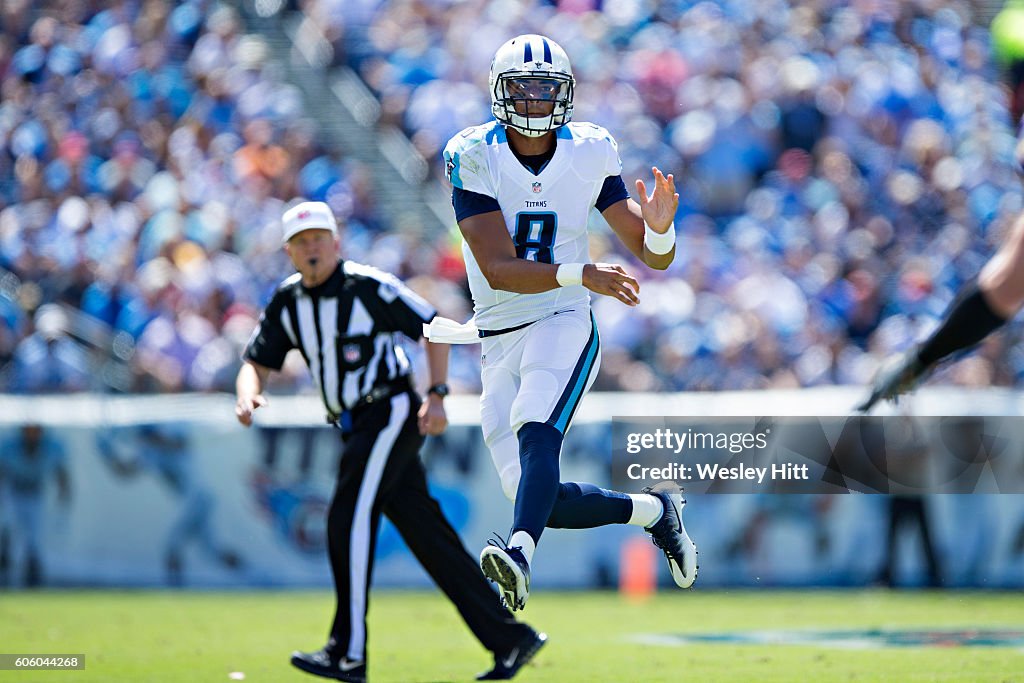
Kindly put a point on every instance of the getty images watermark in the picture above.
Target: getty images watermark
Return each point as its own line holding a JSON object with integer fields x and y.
{"x": 664, "y": 439}
{"x": 895, "y": 455}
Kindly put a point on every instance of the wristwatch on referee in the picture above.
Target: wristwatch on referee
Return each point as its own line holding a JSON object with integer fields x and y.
{"x": 441, "y": 389}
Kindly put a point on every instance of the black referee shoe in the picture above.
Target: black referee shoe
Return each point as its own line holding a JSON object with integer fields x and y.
{"x": 507, "y": 666}
{"x": 321, "y": 663}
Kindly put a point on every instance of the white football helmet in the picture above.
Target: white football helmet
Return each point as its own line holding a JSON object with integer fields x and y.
{"x": 532, "y": 71}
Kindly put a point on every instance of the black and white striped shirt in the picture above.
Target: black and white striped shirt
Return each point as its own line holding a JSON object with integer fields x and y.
{"x": 345, "y": 329}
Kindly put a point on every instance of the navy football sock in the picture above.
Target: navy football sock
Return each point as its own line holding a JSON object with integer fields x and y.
{"x": 584, "y": 506}
{"x": 539, "y": 447}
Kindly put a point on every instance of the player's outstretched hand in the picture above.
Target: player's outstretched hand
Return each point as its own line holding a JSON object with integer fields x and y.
{"x": 432, "y": 418}
{"x": 246, "y": 405}
{"x": 897, "y": 379}
{"x": 611, "y": 280}
{"x": 658, "y": 209}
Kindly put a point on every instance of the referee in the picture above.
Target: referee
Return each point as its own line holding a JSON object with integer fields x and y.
{"x": 343, "y": 317}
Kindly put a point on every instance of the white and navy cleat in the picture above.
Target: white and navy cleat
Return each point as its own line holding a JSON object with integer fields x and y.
{"x": 669, "y": 534}
{"x": 508, "y": 568}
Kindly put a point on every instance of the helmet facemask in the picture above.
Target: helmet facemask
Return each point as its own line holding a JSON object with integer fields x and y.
{"x": 531, "y": 85}
{"x": 533, "y": 102}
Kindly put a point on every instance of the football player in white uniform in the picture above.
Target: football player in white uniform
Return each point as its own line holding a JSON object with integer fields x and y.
{"x": 523, "y": 188}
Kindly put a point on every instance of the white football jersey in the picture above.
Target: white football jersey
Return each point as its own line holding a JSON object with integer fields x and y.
{"x": 546, "y": 214}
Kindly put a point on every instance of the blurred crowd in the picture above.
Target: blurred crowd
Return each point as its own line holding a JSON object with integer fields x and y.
{"x": 843, "y": 168}
{"x": 148, "y": 150}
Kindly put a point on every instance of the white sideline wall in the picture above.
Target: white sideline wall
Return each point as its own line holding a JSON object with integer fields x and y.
{"x": 200, "y": 490}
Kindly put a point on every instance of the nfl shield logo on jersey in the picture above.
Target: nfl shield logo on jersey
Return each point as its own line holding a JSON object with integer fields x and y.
{"x": 352, "y": 353}
{"x": 536, "y": 188}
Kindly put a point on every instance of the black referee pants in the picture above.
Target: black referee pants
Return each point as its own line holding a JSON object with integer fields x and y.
{"x": 380, "y": 471}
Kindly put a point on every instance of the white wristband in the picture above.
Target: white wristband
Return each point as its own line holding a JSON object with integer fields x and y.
{"x": 570, "y": 274}
{"x": 660, "y": 243}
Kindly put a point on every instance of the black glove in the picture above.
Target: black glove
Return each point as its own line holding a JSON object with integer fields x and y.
{"x": 897, "y": 379}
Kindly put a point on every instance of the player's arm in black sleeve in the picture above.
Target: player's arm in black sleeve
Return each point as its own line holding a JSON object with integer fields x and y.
{"x": 468, "y": 204}
{"x": 981, "y": 307}
{"x": 968, "y": 321}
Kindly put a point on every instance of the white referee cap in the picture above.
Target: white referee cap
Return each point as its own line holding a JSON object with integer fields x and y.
{"x": 308, "y": 216}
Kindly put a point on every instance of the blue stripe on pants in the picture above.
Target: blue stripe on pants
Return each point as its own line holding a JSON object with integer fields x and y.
{"x": 573, "y": 393}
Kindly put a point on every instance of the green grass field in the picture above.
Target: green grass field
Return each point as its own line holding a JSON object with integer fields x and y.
{"x": 417, "y": 637}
